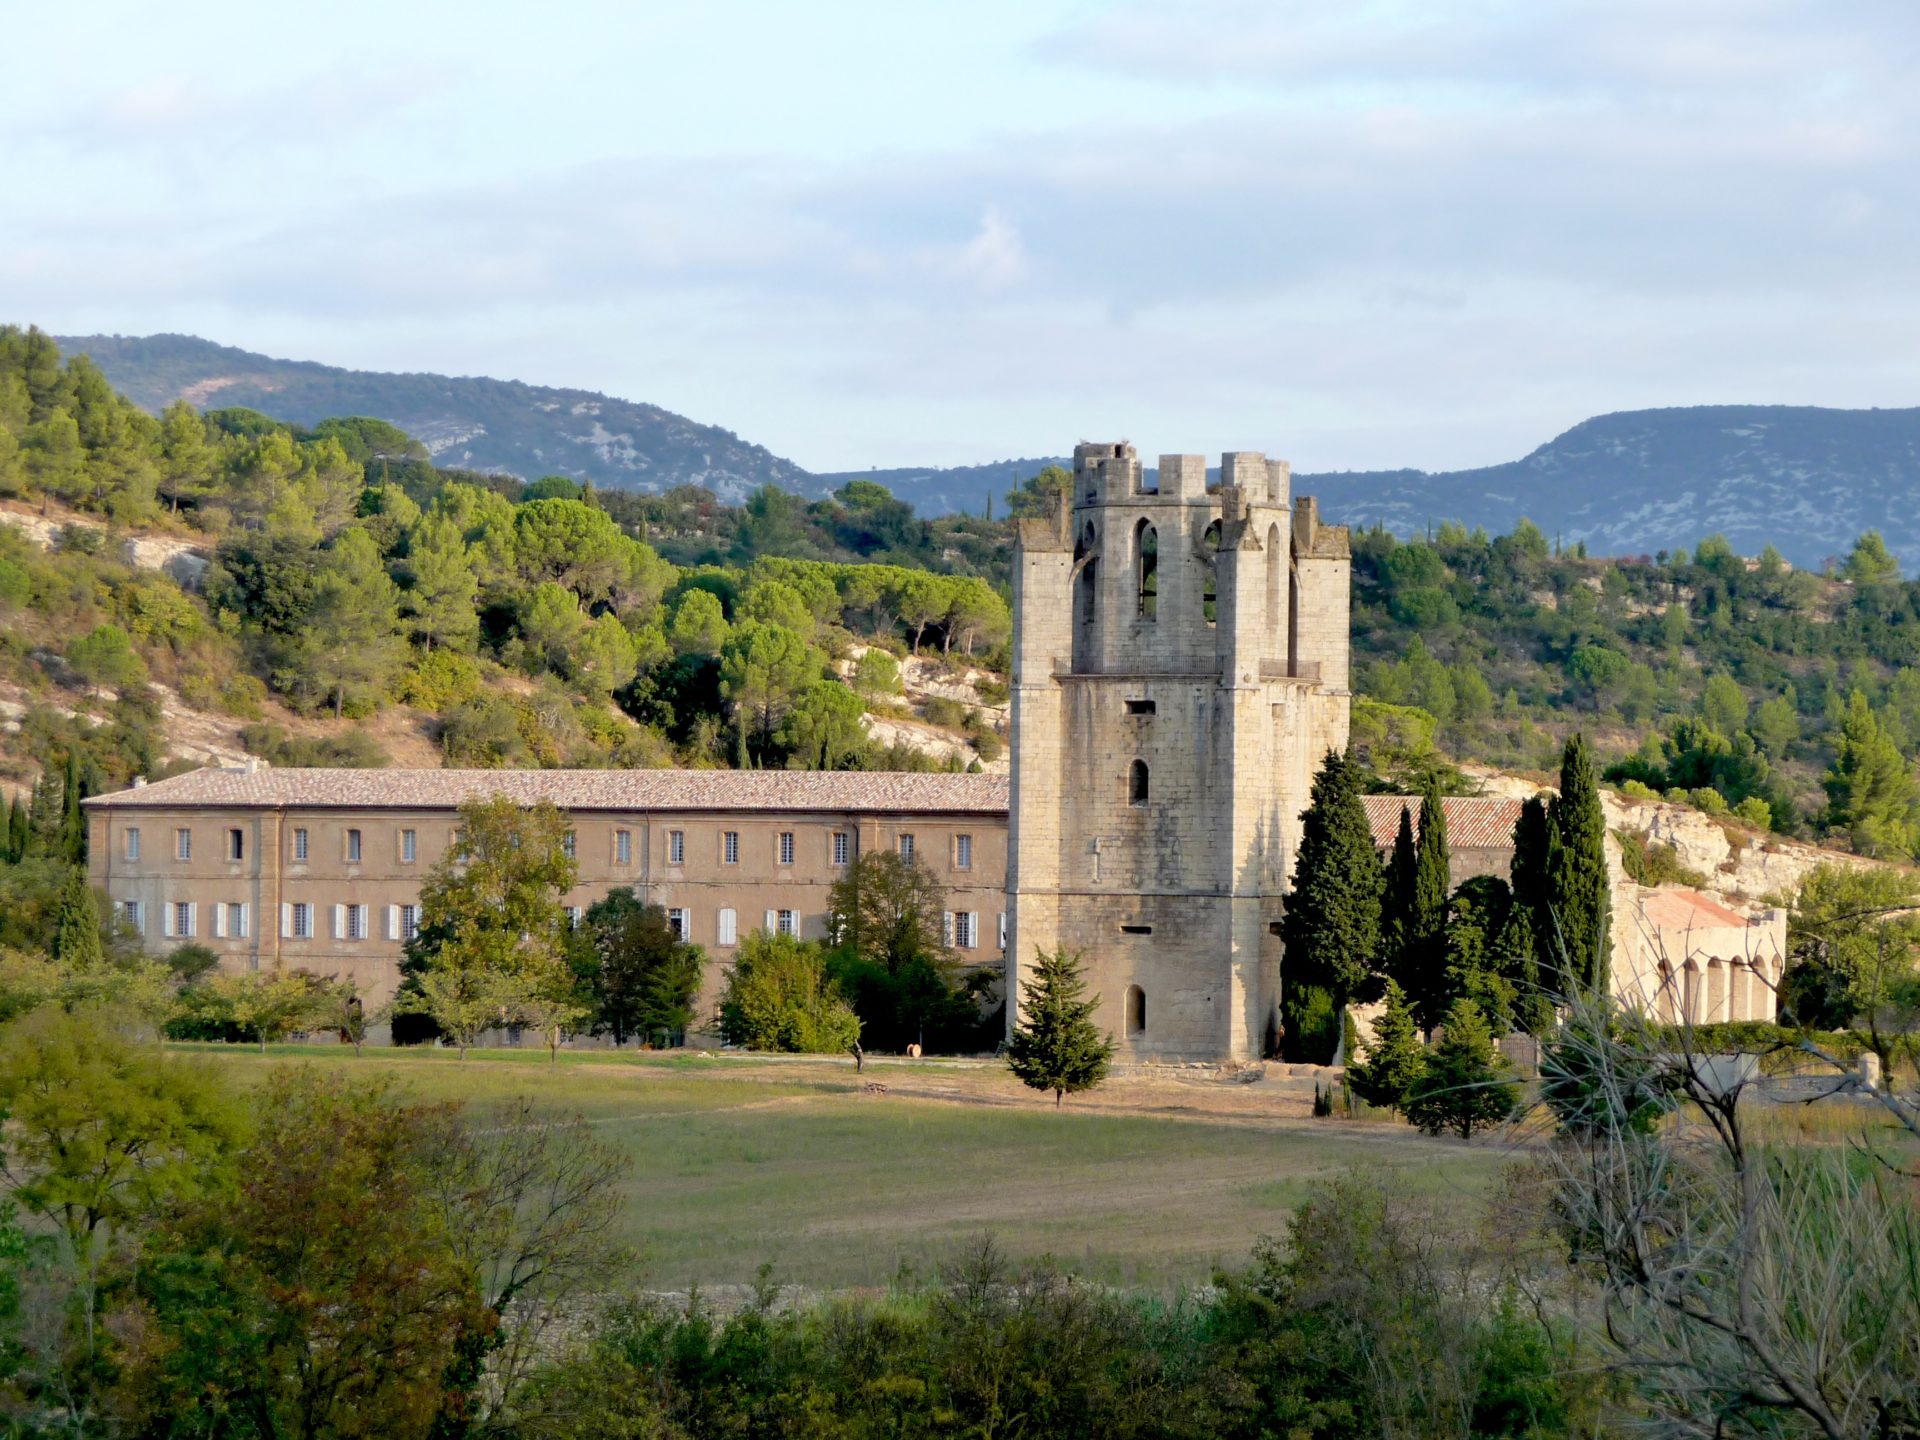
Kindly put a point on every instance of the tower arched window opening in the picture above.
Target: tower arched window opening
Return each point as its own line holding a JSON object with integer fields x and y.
{"x": 1146, "y": 570}
{"x": 1136, "y": 1016}
{"x": 1137, "y": 786}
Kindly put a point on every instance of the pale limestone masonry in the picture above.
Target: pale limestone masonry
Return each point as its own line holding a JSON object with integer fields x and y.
{"x": 1180, "y": 672}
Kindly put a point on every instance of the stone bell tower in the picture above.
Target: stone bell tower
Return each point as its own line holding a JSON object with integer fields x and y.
{"x": 1180, "y": 670}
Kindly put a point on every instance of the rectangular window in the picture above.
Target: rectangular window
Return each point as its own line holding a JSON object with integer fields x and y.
{"x": 729, "y": 928}
{"x": 133, "y": 843}
{"x": 135, "y": 915}
{"x": 786, "y": 847}
{"x": 677, "y": 922}
{"x": 730, "y": 847}
{"x": 573, "y": 917}
{"x": 236, "y": 844}
{"x": 788, "y": 922}
{"x": 183, "y": 844}
{"x": 409, "y": 847}
{"x": 301, "y": 923}
{"x": 409, "y": 921}
{"x": 963, "y": 852}
{"x": 906, "y": 848}
{"x": 623, "y": 847}
{"x": 963, "y": 929}
{"x": 183, "y": 918}
{"x": 567, "y": 843}
{"x": 237, "y": 921}
{"x": 676, "y": 847}
{"x": 356, "y": 926}
{"x": 842, "y": 847}
{"x": 300, "y": 847}
{"x": 353, "y": 847}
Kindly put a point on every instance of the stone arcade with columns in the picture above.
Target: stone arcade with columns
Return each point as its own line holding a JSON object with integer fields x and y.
{"x": 1180, "y": 670}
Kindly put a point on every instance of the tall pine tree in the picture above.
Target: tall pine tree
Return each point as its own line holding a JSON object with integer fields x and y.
{"x": 1577, "y": 873}
{"x": 1332, "y": 924}
{"x": 1533, "y": 889}
{"x": 1396, "y": 902}
{"x": 1425, "y": 980}
{"x": 76, "y": 924}
{"x": 1394, "y": 1060}
{"x": 1056, "y": 1045}
{"x": 14, "y": 843}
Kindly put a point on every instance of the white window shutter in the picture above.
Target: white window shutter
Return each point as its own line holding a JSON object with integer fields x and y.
{"x": 946, "y": 926}
{"x": 219, "y": 922}
{"x": 339, "y": 921}
{"x": 243, "y": 914}
{"x": 193, "y": 917}
{"x": 393, "y": 922}
{"x": 166, "y": 920}
{"x": 773, "y": 922}
{"x": 286, "y": 922}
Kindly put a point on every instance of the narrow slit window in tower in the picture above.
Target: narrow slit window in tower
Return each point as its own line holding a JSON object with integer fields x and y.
{"x": 1209, "y": 592}
{"x": 1136, "y": 1018}
{"x": 1137, "y": 783}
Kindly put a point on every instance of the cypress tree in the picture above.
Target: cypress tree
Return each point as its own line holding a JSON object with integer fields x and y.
{"x": 77, "y": 782}
{"x": 15, "y": 840}
{"x": 1395, "y": 1058}
{"x": 1332, "y": 924}
{"x": 46, "y": 815}
{"x": 1056, "y": 1045}
{"x": 1532, "y": 892}
{"x": 1426, "y": 973}
{"x": 1577, "y": 872}
{"x": 76, "y": 924}
{"x": 1466, "y": 1084}
{"x": 1515, "y": 961}
{"x": 1396, "y": 903}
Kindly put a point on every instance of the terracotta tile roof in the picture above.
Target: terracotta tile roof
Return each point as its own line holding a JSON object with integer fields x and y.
{"x": 1474, "y": 822}
{"x": 839, "y": 791}
{"x": 1676, "y": 909}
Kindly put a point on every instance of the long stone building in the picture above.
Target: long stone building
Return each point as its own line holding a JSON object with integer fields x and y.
{"x": 320, "y": 870}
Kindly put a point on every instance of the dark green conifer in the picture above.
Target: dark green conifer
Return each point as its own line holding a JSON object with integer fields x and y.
{"x": 1056, "y": 1045}
{"x": 1332, "y": 923}
{"x": 14, "y": 842}
{"x": 1466, "y": 1085}
{"x": 76, "y": 924}
{"x": 1396, "y": 901}
{"x": 1532, "y": 890}
{"x": 1425, "y": 980}
{"x": 1577, "y": 873}
{"x": 1394, "y": 1059}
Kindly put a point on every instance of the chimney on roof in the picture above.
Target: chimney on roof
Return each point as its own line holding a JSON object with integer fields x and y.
{"x": 139, "y": 782}
{"x": 252, "y": 767}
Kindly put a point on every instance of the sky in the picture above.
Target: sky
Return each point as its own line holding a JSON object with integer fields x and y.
{"x": 1357, "y": 235}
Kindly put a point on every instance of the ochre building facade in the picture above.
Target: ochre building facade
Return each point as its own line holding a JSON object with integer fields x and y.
{"x": 320, "y": 870}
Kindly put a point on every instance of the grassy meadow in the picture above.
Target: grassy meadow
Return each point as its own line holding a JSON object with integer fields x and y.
{"x": 743, "y": 1161}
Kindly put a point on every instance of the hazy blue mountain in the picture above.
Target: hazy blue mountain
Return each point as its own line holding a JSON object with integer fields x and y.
{"x": 1804, "y": 479}
{"x": 468, "y": 422}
